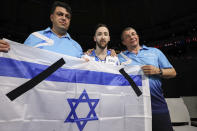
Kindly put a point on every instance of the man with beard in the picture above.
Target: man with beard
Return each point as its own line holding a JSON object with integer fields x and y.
{"x": 101, "y": 53}
{"x": 54, "y": 39}
{"x": 156, "y": 66}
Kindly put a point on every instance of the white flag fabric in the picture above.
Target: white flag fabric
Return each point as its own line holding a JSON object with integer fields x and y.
{"x": 79, "y": 96}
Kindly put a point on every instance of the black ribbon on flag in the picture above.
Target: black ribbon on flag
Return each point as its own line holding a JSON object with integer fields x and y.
{"x": 35, "y": 81}
{"x": 131, "y": 82}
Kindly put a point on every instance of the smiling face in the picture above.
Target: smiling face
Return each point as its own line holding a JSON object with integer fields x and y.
{"x": 102, "y": 37}
{"x": 60, "y": 19}
{"x": 130, "y": 38}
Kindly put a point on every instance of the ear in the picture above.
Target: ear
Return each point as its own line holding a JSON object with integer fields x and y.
{"x": 94, "y": 39}
{"x": 123, "y": 43}
{"x": 51, "y": 17}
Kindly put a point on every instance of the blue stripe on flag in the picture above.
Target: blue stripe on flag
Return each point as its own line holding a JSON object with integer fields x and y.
{"x": 21, "y": 69}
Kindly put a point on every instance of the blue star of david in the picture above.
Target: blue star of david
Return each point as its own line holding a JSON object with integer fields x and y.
{"x": 81, "y": 122}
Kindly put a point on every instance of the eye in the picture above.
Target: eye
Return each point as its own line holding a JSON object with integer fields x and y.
{"x": 106, "y": 34}
{"x": 99, "y": 34}
{"x": 127, "y": 36}
{"x": 68, "y": 16}
{"x": 59, "y": 14}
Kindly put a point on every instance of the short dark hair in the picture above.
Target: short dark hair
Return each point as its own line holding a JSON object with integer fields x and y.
{"x": 100, "y": 25}
{"x": 60, "y": 4}
{"x": 126, "y": 29}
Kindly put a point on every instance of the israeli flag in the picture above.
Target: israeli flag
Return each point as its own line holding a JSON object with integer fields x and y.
{"x": 79, "y": 96}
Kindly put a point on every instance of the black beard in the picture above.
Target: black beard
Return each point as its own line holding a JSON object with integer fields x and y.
{"x": 100, "y": 46}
